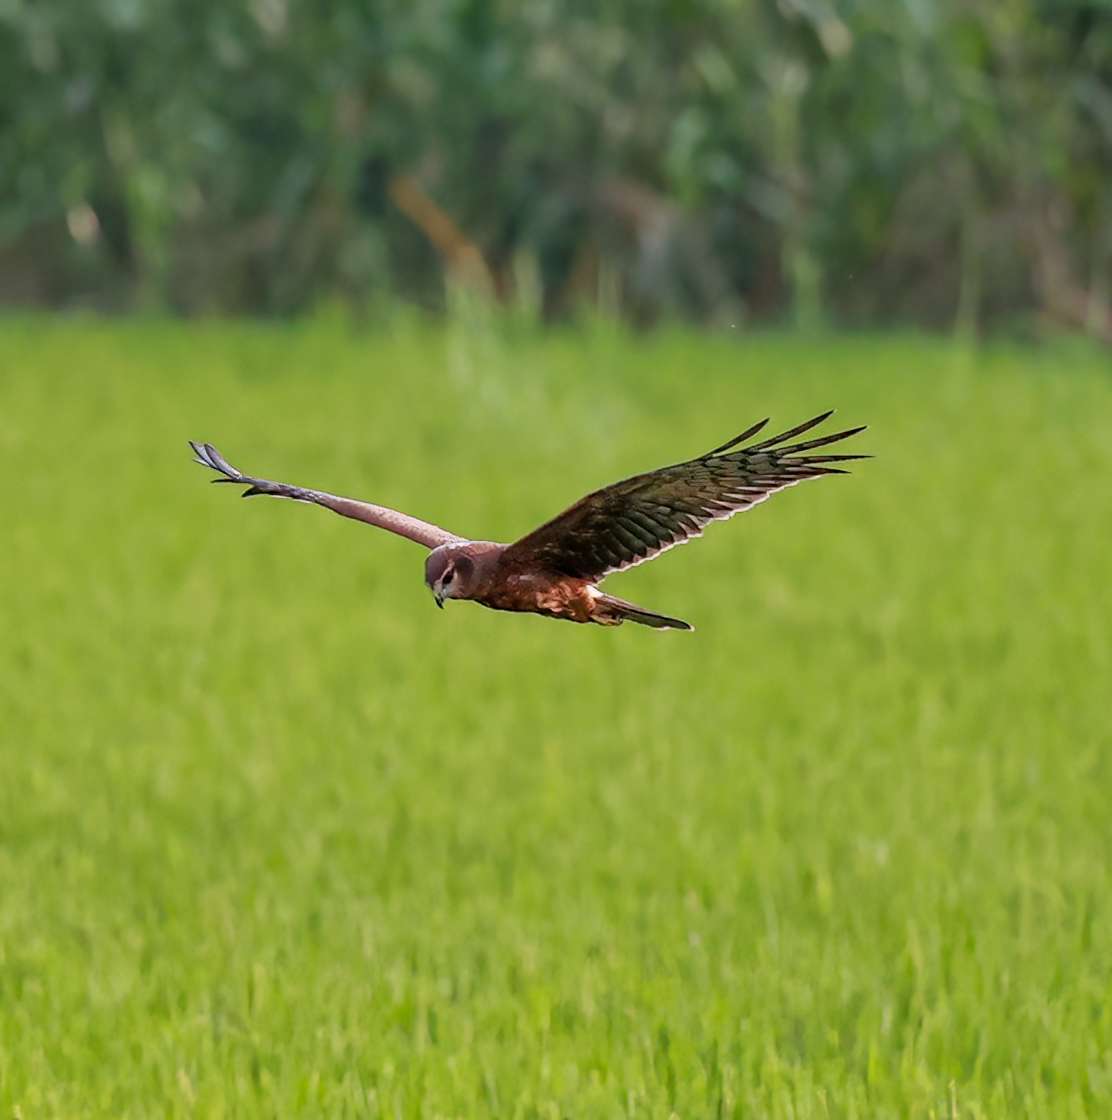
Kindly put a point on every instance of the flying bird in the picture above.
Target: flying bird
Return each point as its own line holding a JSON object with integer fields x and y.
{"x": 555, "y": 570}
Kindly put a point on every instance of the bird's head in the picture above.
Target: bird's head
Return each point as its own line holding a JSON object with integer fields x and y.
{"x": 448, "y": 573}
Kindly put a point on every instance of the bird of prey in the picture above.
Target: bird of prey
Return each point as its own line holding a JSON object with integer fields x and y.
{"x": 555, "y": 570}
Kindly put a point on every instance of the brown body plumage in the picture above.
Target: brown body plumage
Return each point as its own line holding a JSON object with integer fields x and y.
{"x": 555, "y": 569}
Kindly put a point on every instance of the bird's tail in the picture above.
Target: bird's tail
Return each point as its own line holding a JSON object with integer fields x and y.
{"x": 614, "y": 610}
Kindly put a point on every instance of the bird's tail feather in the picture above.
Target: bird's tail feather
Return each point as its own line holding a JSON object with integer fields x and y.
{"x": 620, "y": 610}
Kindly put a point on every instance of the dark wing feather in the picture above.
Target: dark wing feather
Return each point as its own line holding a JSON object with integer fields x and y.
{"x": 641, "y": 517}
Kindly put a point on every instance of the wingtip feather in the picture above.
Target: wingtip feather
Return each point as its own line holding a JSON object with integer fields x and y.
{"x": 799, "y": 429}
{"x": 819, "y": 441}
{"x": 749, "y": 433}
{"x": 208, "y": 456}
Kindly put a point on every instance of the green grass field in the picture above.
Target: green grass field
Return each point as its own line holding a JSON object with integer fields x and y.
{"x": 279, "y": 839}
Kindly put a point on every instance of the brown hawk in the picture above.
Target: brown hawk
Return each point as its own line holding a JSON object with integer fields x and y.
{"x": 555, "y": 570}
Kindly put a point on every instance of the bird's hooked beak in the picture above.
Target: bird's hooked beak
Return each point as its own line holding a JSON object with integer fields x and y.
{"x": 437, "y": 593}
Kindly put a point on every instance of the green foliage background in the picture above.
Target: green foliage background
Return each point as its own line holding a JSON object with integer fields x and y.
{"x": 942, "y": 161}
{"x": 278, "y": 838}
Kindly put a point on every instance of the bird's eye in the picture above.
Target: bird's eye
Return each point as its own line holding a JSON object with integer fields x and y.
{"x": 448, "y": 576}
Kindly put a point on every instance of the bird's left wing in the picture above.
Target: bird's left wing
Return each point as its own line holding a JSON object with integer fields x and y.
{"x": 414, "y": 529}
{"x": 641, "y": 517}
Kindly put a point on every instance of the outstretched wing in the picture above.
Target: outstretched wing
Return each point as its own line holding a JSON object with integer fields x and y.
{"x": 641, "y": 517}
{"x": 431, "y": 536}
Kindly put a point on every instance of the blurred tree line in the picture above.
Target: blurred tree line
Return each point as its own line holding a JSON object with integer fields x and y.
{"x": 934, "y": 161}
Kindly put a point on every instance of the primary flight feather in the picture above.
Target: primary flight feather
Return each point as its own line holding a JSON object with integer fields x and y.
{"x": 555, "y": 570}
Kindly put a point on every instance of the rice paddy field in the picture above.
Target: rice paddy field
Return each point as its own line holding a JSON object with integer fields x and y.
{"x": 280, "y": 839}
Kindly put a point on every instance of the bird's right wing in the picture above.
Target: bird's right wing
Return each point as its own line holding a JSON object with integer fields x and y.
{"x": 636, "y": 519}
{"x": 431, "y": 536}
